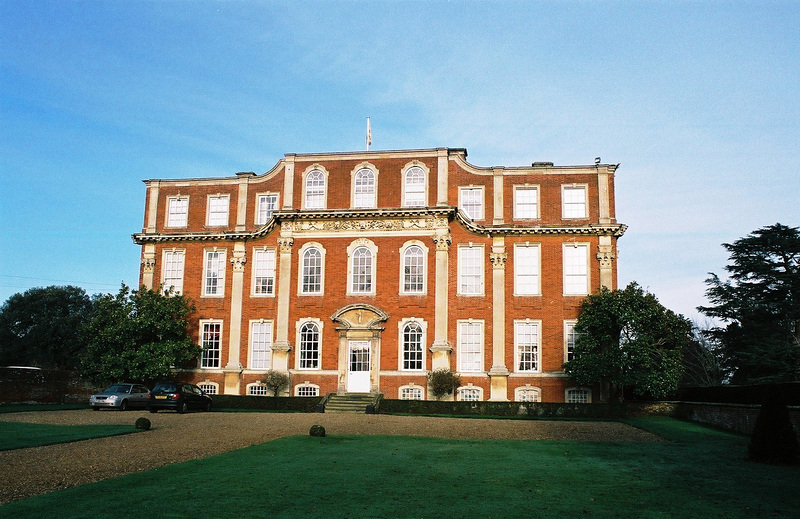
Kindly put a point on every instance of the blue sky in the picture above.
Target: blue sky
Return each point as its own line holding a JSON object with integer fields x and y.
{"x": 698, "y": 101}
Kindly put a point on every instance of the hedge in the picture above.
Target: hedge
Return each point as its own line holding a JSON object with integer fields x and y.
{"x": 301, "y": 404}
{"x": 485, "y": 408}
{"x": 751, "y": 395}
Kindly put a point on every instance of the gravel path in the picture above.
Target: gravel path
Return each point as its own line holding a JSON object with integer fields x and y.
{"x": 175, "y": 438}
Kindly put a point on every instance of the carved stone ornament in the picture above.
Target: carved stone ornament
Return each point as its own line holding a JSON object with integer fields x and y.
{"x": 442, "y": 242}
{"x": 605, "y": 257}
{"x": 286, "y": 244}
{"x": 498, "y": 259}
{"x": 238, "y": 260}
{"x": 148, "y": 265}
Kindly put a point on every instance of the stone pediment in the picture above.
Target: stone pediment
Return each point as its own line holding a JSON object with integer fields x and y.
{"x": 360, "y": 316}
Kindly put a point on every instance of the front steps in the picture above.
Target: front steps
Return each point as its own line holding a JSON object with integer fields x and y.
{"x": 349, "y": 403}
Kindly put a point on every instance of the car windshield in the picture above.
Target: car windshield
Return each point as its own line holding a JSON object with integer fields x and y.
{"x": 119, "y": 388}
{"x": 167, "y": 388}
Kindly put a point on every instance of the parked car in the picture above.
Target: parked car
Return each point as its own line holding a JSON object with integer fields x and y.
{"x": 121, "y": 396}
{"x": 178, "y": 396}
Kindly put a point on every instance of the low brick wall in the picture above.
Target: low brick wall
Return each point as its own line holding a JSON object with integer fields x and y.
{"x": 739, "y": 418}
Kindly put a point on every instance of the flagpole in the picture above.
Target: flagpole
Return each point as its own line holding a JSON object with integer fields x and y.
{"x": 369, "y": 135}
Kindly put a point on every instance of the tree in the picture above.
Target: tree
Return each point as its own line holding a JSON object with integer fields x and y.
{"x": 276, "y": 381}
{"x": 443, "y": 382}
{"x": 137, "y": 335}
{"x": 759, "y": 306}
{"x": 627, "y": 338}
{"x": 701, "y": 360}
{"x": 41, "y": 327}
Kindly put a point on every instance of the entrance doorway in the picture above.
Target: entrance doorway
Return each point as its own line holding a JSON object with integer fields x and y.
{"x": 358, "y": 367}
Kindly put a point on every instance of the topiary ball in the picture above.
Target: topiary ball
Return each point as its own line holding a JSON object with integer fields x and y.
{"x": 317, "y": 430}
{"x": 142, "y": 423}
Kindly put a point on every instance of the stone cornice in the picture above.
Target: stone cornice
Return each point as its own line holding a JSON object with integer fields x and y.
{"x": 380, "y": 220}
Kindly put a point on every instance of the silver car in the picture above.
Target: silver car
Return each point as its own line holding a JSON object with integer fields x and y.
{"x": 122, "y": 397}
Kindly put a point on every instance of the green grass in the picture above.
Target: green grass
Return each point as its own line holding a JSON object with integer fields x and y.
{"x": 698, "y": 473}
{"x": 18, "y": 435}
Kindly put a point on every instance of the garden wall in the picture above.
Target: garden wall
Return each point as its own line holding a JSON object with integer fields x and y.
{"x": 45, "y": 386}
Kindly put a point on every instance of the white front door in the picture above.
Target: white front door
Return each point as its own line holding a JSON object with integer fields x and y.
{"x": 358, "y": 367}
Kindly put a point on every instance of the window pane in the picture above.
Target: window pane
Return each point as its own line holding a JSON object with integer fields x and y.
{"x": 578, "y": 396}
{"x": 364, "y": 189}
{"x": 472, "y": 202}
{"x": 469, "y": 394}
{"x": 315, "y": 190}
{"x": 362, "y": 271}
{"x": 218, "y": 211}
{"x": 307, "y": 391}
{"x": 526, "y": 270}
{"x": 574, "y": 202}
{"x": 527, "y": 338}
{"x": 527, "y": 202}
{"x": 470, "y": 270}
{"x": 569, "y": 339}
{"x": 576, "y": 270}
{"x": 173, "y": 271}
{"x": 412, "y": 347}
{"x": 215, "y": 270}
{"x": 264, "y": 272}
{"x": 309, "y": 346}
{"x": 413, "y": 270}
{"x": 261, "y": 340}
{"x": 312, "y": 271}
{"x": 470, "y": 346}
{"x": 212, "y": 345}
{"x": 266, "y": 206}
{"x": 414, "y": 188}
{"x": 411, "y": 393}
{"x": 178, "y": 212}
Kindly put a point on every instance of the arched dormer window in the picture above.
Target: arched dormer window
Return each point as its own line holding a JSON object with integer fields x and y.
{"x": 414, "y": 187}
{"x": 315, "y": 190}
{"x": 364, "y": 189}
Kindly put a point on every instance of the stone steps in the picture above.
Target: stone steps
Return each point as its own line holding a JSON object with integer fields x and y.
{"x": 349, "y": 403}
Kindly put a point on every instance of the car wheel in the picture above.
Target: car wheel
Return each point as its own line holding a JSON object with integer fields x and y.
{"x": 95, "y": 408}
{"x": 207, "y": 408}
{"x": 183, "y": 407}
{"x": 153, "y": 410}
{"x": 123, "y": 406}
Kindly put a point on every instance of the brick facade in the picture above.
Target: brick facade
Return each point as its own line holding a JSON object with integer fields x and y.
{"x": 373, "y": 268}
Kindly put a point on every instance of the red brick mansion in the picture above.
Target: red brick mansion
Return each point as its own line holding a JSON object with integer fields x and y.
{"x": 361, "y": 272}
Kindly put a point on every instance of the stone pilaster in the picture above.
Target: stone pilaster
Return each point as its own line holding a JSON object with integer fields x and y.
{"x": 282, "y": 346}
{"x": 441, "y": 349}
{"x": 606, "y": 256}
{"x": 498, "y": 373}
{"x": 148, "y": 265}
{"x": 233, "y": 368}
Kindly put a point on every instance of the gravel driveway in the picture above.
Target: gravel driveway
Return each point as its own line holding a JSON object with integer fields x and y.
{"x": 175, "y": 438}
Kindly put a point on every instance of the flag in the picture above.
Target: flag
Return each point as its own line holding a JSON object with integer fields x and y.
{"x": 369, "y": 135}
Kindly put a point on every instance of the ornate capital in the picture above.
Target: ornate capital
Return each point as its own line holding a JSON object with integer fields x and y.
{"x": 605, "y": 256}
{"x": 286, "y": 245}
{"x": 148, "y": 264}
{"x": 498, "y": 259}
{"x": 442, "y": 242}
{"x": 238, "y": 260}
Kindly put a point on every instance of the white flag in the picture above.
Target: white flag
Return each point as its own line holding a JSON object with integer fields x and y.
{"x": 369, "y": 135}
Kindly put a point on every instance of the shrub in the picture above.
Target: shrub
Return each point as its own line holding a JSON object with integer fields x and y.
{"x": 443, "y": 382}
{"x": 276, "y": 381}
{"x": 317, "y": 430}
{"x": 142, "y": 423}
{"x": 774, "y": 439}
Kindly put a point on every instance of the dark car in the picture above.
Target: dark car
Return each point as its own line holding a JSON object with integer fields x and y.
{"x": 178, "y": 396}
{"x": 121, "y": 396}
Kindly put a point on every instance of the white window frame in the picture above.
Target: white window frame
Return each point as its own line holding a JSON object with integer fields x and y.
{"x": 570, "y": 336}
{"x": 527, "y": 269}
{"x": 411, "y": 392}
{"x": 571, "y": 395}
{"x": 257, "y": 389}
{"x": 320, "y": 194}
{"x": 367, "y": 273}
{"x": 472, "y": 202}
{"x": 406, "y": 276}
{"x": 266, "y": 205}
{"x": 523, "y": 208}
{"x": 364, "y": 195}
{"x": 475, "y": 393}
{"x": 575, "y": 264}
{"x": 415, "y": 197}
{"x": 306, "y": 386}
{"x": 303, "y": 361}
{"x": 573, "y": 206}
{"x": 208, "y": 387}
{"x": 263, "y": 278}
{"x": 172, "y": 272}
{"x": 301, "y": 271}
{"x": 261, "y": 340}
{"x": 527, "y": 340}
{"x": 211, "y": 268}
{"x": 177, "y": 212}
{"x": 206, "y": 361}
{"x": 218, "y": 210}
{"x": 401, "y": 328}
{"x": 471, "y": 270}
{"x": 521, "y": 394}
{"x": 471, "y": 353}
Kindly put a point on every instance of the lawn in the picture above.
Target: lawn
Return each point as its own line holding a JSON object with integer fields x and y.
{"x": 699, "y": 472}
{"x": 17, "y": 435}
